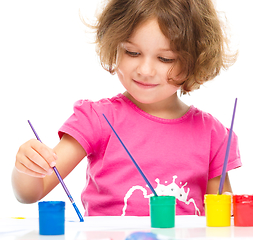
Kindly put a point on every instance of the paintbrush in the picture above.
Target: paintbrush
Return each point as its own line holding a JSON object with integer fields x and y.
{"x": 61, "y": 181}
{"x": 224, "y": 170}
{"x": 135, "y": 163}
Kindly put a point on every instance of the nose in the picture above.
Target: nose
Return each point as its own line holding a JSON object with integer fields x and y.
{"x": 146, "y": 67}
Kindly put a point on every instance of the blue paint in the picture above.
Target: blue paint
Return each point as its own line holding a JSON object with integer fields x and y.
{"x": 77, "y": 211}
{"x": 52, "y": 218}
{"x": 142, "y": 236}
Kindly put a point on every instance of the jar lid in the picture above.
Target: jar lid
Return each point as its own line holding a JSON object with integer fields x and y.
{"x": 162, "y": 200}
{"x": 51, "y": 205}
{"x": 217, "y": 198}
{"x": 244, "y": 198}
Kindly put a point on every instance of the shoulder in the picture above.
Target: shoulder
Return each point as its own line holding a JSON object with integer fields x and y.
{"x": 208, "y": 126}
{"x": 103, "y": 104}
{"x": 205, "y": 118}
{"x": 115, "y": 109}
{"x": 87, "y": 124}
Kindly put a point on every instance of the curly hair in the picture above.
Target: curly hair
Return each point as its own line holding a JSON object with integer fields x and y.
{"x": 193, "y": 27}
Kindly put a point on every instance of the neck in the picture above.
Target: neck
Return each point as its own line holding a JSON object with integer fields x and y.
{"x": 171, "y": 108}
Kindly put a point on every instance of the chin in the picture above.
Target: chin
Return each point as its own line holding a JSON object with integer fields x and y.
{"x": 146, "y": 100}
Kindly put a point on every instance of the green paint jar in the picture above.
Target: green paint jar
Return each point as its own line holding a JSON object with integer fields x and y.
{"x": 162, "y": 211}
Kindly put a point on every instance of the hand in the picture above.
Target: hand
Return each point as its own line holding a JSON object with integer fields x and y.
{"x": 228, "y": 193}
{"x": 232, "y": 208}
{"x": 35, "y": 159}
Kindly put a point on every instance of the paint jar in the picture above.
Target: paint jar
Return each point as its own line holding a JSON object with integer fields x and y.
{"x": 243, "y": 210}
{"x": 162, "y": 211}
{"x": 51, "y": 217}
{"x": 218, "y": 210}
{"x": 142, "y": 236}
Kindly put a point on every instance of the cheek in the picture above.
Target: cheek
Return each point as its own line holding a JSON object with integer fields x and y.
{"x": 119, "y": 74}
{"x": 120, "y": 65}
{"x": 177, "y": 74}
{"x": 122, "y": 75}
{"x": 124, "y": 67}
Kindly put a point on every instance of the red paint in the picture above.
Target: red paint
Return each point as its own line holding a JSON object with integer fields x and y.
{"x": 243, "y": 210}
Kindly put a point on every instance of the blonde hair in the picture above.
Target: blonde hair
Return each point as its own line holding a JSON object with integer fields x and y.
{"x": 192, "y": 26}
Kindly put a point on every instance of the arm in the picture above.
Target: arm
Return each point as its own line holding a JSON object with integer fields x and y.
{"x": 213, "y": 185}
{"x": 32, "y": 177}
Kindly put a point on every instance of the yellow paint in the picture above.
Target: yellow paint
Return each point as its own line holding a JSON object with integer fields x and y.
{"x": 218, "y": 210}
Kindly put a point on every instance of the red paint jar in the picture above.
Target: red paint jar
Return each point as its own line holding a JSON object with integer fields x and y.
{"x": 243, "y": 210}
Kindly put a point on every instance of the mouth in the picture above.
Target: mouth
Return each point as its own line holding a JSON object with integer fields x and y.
{"x": 145, "y": 85}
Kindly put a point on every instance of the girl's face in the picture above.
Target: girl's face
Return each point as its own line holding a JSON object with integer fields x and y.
{"x": 146, "y": 64}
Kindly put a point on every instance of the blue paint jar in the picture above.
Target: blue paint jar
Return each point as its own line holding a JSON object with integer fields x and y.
{"x": 51, "y": 218}
{"x": 142, "y": 236}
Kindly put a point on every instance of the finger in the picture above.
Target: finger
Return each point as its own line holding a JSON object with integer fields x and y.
{"x": 38, "y": 153}
{"x": 45, "y": 152}
{"x": 32, "y": 156}
{"x": 23, "y": 169}
{"x": 33, "y": 160}
{"x": 38, "y": 165}
{"x": 228, "y": 193}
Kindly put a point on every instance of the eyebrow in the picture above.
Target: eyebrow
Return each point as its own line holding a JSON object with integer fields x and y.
{"x": 160, "y": 49}
{"x": 165, "y": 49}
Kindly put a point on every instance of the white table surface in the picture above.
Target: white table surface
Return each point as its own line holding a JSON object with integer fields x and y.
{"x": 118, "y": 228}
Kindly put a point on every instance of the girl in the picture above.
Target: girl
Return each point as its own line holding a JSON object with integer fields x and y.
{"x": 156, "y": 48}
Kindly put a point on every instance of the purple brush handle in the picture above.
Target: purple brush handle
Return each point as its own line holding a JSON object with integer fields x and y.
{"x": 55, "y": 169}
{"x": 60, "y": 179}
{"x": 63, "y": 184}
{"x": 224, "y": 170}
{"x": 134, "y": 162}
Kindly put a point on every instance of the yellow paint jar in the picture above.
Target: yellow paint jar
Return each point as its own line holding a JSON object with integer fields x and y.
{"x": 218, "y": 210}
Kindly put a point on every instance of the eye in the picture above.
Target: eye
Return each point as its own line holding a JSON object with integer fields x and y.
{"x": 132, "y": 54}
{"x": 166, "y": 60}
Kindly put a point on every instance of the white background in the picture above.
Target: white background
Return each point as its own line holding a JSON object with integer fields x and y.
{"x": 47, "y": 63}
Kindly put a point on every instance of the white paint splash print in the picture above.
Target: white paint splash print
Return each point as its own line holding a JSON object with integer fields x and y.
{"x": 171, "y": 189}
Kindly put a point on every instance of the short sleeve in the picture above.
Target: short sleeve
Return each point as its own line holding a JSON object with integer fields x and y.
{"x": 219, "y": 141}
{"x": 84, "y": 125}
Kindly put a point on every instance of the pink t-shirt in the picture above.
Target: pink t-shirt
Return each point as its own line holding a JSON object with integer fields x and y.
{"x": 178, "y": 156}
